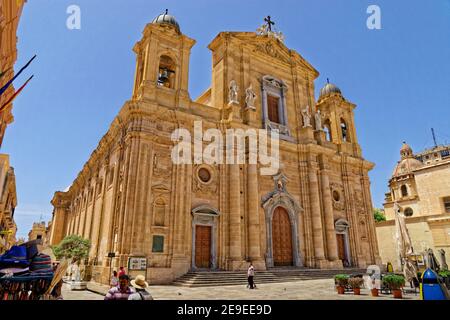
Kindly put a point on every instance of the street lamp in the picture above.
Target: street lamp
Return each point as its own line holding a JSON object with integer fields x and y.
{"x": 111, "y": 255}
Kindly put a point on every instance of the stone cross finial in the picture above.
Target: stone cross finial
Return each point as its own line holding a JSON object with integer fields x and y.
{"x": 270, "y": 23}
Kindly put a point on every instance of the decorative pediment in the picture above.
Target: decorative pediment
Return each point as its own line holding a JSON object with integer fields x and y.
{"x": 205, "y": 209}
{"x": 272, "y": 49}
{"x": 280, "y": 195}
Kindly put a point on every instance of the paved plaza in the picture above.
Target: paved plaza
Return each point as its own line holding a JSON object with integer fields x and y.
{"x": 300, "y": 290}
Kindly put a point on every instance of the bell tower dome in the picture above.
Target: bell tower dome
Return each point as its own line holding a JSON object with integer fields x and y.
{"x": 338, "y": 119}
{"x": 162, "y": 61}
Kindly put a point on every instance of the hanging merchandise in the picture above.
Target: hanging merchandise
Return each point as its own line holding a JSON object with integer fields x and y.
{"x": 25, "y": 274}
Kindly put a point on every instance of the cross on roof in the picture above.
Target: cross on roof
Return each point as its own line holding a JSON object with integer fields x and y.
{"x": 270, "y": 23}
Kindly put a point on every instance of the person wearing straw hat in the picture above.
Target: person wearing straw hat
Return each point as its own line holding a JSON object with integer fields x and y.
{"x": 140, "y": 285}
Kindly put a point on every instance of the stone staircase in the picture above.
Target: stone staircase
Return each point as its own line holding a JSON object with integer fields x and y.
{"x": 278, "y": 275}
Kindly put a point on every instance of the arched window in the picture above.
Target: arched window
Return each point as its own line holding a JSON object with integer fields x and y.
{"x": 166, "y": 72}
{"x": 344, "y": 131}
{"x": 327, "y": 129}
{"x": 404, "y": 191}
{"x": 274, "y": 105}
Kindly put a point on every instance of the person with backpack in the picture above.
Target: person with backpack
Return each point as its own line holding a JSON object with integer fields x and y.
{"x": 140, "y": 285}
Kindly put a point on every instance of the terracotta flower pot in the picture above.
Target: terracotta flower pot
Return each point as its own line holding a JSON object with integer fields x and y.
{"x": 374, "y": 292}
{"x": 340, "y": 289}
{"x": 357, "y": 291}
{"x": 397, "y": 294}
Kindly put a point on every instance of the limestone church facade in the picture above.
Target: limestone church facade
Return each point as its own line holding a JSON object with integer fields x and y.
{"x": 131, "y": 199}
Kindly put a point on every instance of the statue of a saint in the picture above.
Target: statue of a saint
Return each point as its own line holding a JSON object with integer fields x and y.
{"x": 306, "y": 117}
{"x": 318, "y": 118}
{"x": 250, "y": 97}
{"x": 444, "y": 265}
{"x": 233, "y": 93}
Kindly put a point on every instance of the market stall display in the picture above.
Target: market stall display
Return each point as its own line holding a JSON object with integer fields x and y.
{"x": 25, "y": 273}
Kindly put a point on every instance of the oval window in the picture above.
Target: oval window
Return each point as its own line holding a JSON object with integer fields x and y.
{"x": 408, "y": 212}
{"x": 204, "y": 175}
{"x": 336, "y": 196}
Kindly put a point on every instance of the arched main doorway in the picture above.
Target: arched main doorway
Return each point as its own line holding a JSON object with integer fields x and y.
{"x": 281, "y": 238}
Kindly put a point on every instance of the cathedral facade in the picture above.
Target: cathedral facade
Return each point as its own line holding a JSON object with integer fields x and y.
{"x": 132, "y": 200}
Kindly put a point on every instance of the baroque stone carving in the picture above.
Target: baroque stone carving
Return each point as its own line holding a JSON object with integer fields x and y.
{"x": 162, "y": 166}
{"x": 198, "y": 186}
{"x": 250, "y": 97}
{"x": 233, "y": 93}
{"x": 306, "y": 117}
{"x": 269, "y": 49}
{"x": 359, "y": 203}
{"x": 339, "y": 202}
{"x": 318, "y": 118}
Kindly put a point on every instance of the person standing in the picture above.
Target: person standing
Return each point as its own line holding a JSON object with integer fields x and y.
{"x": 121, "y": 271}
{"x": 250, "y": 276}
{"x": 140, "y": 285}
{"x": 114, "y": 279}
{"x": 122, "y": 291}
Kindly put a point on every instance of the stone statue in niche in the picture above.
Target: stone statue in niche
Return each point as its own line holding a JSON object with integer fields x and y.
{"x": 318, "y": 118}
{"x": 306, "y": 117}
{"x": 250, "y": 97}
{"x": 280, "y": 185}
{"x": 233, "y": 93}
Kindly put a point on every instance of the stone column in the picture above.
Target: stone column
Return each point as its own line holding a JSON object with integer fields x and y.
{"x": 235, "y": 216}
{"x": 329, "y": 219}
{"x": 253, "y": 214}
{"x": 60, "y": 202}
{"x": 316, "y": 216}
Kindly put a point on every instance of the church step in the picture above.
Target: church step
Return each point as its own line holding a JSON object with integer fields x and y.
{"x": 223, "y": 278}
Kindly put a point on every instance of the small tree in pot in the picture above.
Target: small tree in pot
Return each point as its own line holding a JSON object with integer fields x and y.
{"x": 341, "y": 280}
{"x": 356, "y": 283}
{"x": 395, "y": 283}
{"x": 73, "y": 247}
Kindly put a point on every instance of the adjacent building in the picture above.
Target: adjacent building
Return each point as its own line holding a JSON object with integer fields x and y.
{"x": 8, "y": 203}
{"x": 10, "y": 12}
{"x": 38, "y": 232}
{"x": 420, "y": 184}
{"x": 131, "y": 199}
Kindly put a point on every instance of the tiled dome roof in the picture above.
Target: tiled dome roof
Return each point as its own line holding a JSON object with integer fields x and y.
{"x": 167, "y": 19}
{"x": 328, "y": 89}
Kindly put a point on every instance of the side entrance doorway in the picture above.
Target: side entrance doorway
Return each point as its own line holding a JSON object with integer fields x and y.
{"x": 203, "y": 246}
{"x": 282, "y": 238}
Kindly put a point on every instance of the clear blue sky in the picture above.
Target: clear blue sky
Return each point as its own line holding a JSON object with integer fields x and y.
{"x": 399, "y": 76}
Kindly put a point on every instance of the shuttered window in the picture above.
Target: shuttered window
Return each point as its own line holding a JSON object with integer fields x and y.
{"x": 272, "y": 107}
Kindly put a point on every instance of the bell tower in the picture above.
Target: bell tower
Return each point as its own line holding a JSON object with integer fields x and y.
{"x": 338, "y": 119}
{"x": 162, "y": 62}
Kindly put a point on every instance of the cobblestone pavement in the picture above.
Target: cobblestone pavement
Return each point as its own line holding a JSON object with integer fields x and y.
{"x": 300, "y": 290}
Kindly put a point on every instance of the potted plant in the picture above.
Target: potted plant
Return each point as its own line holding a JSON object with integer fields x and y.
{"x": 374, "y": 292}
{"x": 395, "y": 283}
{"x": 341, "y": 280}
{"x": 76, "y": 249}
{"x": 445, "y": 274}
{"x": 356, "y": 283}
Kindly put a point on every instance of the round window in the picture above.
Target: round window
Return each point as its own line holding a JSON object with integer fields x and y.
{"x": 336, "y": 196}
{"x": 204, "y": 175}
{"x": 408, "y": 212}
